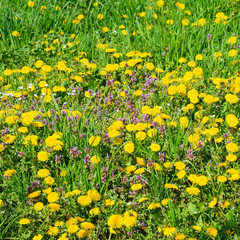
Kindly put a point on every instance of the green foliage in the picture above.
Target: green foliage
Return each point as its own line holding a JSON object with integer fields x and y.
{"x": 119, "y": 119}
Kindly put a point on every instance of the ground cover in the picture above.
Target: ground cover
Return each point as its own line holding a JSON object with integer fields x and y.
{"x": 119, "y": 120}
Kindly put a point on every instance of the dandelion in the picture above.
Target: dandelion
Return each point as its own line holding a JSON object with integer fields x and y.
{"x": 24, "y": 221}
{"x": 140, "y": 136}
{"x": 165, "y": 201}
{"x": 72, "y": 229}
{"x": 38, "y": 206}
{"x": 114, "y": 133}
{"x": 213, "y": 203}
{"x": 94, "y": 211}
{"x": 34, "y": 194}
{"x": 100, "y": 16}
{"x": 212, "y": 231}
{"x": 42, "y": 173}
{"x": 83, "y": 233}
{"x": 115, "y": 221}
{"x": 43, "y": 156}
{"x": 231, "y": 158}
{"x": 105, "y": 29}
{"x": 201, "y": 180}
{"x": 16, "y": 34}
{"x": 232, "y": 147}
{"x": 183, "y": 122}
{"x": 231, "y": 99}
{"x": 87, "y": 226}
{"x": 155, "y": 147}
{"x": 53, "y": 231}
{"x": 232, "y": 40}
{"x": 167, "y": 164}
{"x": 221, "y": 179}
{"x": 169, "y": 231}
{"x": 154, "y": 206}
{"x": 180, "y": 236}
{"x": 136, "y": 187}
{"x": 49, "y": 180}
{"x": 9, "y": 72}
{"x": 95, "y": 159}
{"x": 192, "y": 64}
{"x": 47, "y": 190}
{"x": 232, "y": 53}
{"x": 199, "y": 57}
{"x": 179, "y": 165}
{"x": 231, "y": 120}
{"x": 109, "y": 202}
{"x": 170, "y": 186}
{"x": 80, "y": 17}
{"x": 37, "y": 237}
{"x": 201, "y": 22}
{"x": 129, "y": 147}
{"x": 43, "y": 8}
{"x": 160, "y": 3}
{"x": 181, "y": 174}
{"x": 31, "y": 4}
{"x": 94, "y": 194}
{"x": 84, "y": 200}
{"x": 193, "y": 190}
{"x": 194, "y": 138}
{"x": 142, "y": 14}
{"x": 53, "y": 197}
{"x": 94, "y": 140}
{"x": 149, "y": 66}
{"x": 185, "y": 22}
{"x": 217, "y": 55}
{"x": 129, "y": 221}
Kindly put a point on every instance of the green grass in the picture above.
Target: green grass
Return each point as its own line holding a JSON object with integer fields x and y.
{"x": 109, "y": 99}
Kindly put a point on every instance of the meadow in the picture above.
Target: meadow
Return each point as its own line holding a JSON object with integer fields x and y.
{"x": 119, "y": 119}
